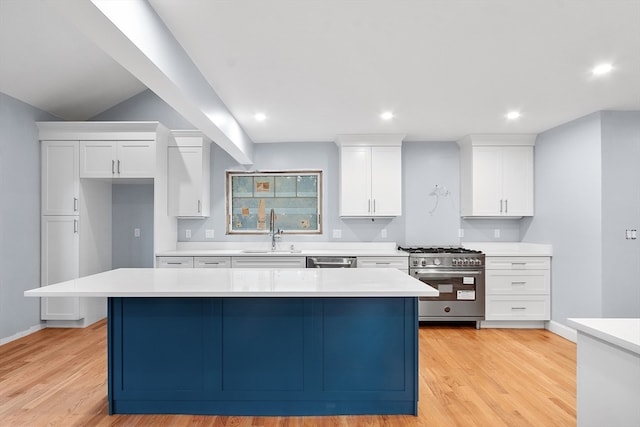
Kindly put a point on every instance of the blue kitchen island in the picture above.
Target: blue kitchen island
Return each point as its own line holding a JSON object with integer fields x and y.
{"x": 258, "y": 341}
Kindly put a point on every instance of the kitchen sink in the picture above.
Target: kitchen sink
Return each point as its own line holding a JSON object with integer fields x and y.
{"x": 268, "y": 251}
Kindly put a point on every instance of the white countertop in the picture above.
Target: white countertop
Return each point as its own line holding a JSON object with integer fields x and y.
{"x": 241, "y": 282}
{"x": 510, "y": 248}
{"x": 263, "y": 248}
{"x": 622, "y": 332}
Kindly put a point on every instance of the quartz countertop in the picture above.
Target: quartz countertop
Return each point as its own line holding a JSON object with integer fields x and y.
{"x": 263, "y": 248}
{"x": 622, "y": 332}
{"x": 510, "y": 248}
{"x": 241, "y": 282}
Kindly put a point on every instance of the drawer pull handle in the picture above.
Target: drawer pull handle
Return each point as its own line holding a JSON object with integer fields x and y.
{"x": 211, "y": 263}
{"x": 174, "y": 263}
{"x": 518, "y": 308}
{"x": 383, "y": 263}
{"x": 519, "y": 283}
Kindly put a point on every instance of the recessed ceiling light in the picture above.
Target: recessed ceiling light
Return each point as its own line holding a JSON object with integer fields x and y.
{"x": 512, "y": 115}
{"x": 602, "y": 69}
{"x": 261, "y": 117}
{"x": 387, "y": 115}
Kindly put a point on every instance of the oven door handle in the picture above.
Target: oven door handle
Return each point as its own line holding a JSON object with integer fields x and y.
{"x": 440, "y": 273}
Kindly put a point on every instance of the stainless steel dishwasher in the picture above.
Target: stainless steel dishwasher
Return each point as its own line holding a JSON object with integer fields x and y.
{"x": 331, "y": 262}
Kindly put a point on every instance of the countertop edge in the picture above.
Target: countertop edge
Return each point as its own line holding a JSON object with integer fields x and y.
{"x": 604, "y": 331}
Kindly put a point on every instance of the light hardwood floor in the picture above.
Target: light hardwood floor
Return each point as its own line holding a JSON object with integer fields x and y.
{"x": 468, "y": 377}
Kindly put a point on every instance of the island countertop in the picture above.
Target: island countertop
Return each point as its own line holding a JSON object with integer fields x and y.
{"x": 621, "y": 332}
{"x": 240, "y": 282}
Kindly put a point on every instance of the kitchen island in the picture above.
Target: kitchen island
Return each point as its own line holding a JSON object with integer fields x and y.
{"x": 258, "y": 341}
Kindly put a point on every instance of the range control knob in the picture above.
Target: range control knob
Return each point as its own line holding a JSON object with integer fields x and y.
{"x": 424, "y": 262}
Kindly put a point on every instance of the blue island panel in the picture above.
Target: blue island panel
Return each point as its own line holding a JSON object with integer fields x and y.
{"x": 263, "y": 356}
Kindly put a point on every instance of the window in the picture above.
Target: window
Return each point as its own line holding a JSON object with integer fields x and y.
{"x": 294, "y": 196}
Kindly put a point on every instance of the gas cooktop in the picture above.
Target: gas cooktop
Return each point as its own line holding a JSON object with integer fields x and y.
{"x": 438, "y": 250}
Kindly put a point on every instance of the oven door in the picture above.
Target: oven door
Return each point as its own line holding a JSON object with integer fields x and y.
{"x": 461, "y": 294}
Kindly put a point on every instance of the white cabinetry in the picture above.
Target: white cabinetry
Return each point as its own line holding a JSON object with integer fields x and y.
{"x": 268, "y": 261}
{"x": 518, "y": 289}
{"x": 188, "y": 175}
{"x": 77, "y": 221}
{"x": 193, "y": 262}
{"x": 60, "y": 255}
{"x": 496, "y": 175}
{"x": 117, "y": 159}
{"x": 399, "y": 262}
{"x": 60, "y": 178}
{"x": 370, "y": 175}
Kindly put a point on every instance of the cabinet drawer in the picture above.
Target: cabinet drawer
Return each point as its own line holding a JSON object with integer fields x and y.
{"x": 502, "y": 307}
{"x": 512, "y": 282}
{"x": 401, "y": 263}
{"x": 518, "y": 263}
{"x": 212, "y": 262}
{"x": 174, "y": 262}
{"x": 268, "y": 262}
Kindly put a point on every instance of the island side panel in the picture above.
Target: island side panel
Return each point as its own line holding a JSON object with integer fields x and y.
{"x": 263, "y": 356}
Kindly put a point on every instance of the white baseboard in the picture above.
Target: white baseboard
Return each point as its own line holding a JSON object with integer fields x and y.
{"x": 21, "y": 334}
{"x": 562, "y": 330}
{"x": 519, "y": 324}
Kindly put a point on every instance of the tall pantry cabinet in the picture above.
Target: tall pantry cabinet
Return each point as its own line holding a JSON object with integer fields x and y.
{"x": 76, "y": 221}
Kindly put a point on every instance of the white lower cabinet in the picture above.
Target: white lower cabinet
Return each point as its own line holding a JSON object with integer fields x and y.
{"x": 518, "y": 289}
{"x": 60, "y": 255}
{"x": 174, "y": 262}
{"x": 269, "y": 262}
{"x": 401, "y": 263}
{"x": 212, "y": 262}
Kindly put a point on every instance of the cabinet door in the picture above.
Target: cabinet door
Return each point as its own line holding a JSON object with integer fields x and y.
{"x": 487, "y": 181}
{"x": 97, "y": 159}
{"x": 136, "y": 159}
{"x": 60, "y": 262}
{"x": 517, "y": 181}
{"x": 355, "y": 181}
{"x": 185, "y": 182}
{"x": 60, "y": 178}
{"x": 386, "y": 181}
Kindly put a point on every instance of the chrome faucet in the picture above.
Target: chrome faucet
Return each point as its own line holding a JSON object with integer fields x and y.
{"x": 275, "y": 235}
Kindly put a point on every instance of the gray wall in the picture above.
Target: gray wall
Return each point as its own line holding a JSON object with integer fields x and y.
{"x": 620, "y": 211}
{"x": 132, "y": 207}
{"x": 568, "y": 215}
{"x": 19, "y": 214}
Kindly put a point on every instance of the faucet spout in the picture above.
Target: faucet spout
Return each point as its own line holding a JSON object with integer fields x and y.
{"x": 275, "y": 235}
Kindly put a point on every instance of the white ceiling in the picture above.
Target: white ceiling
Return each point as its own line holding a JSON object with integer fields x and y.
{"x": 446, "y": 68}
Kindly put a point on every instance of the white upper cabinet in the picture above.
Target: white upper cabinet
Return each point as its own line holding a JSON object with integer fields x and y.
{"x": 117, "y": 159}
{"x": 370, "y": 175}
{"x": 189, "y": 175}
{"x": 60, "y": 178}
{"x": 496, "y": 175}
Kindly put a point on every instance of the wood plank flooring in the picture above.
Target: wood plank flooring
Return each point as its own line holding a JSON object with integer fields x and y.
{"x": 468, "y": 377}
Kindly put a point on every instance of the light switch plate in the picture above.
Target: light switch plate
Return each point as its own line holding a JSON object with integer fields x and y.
{"x": 496, "y": 233}
{"x": 187, "y": 233}
{"x": 383, "y": 233}
{"x": 209, "y": 233}
{"x": 136, "y": 232}
{"x": 337, "y": 233}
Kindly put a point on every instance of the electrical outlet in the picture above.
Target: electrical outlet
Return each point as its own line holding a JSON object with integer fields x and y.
{"x": 383, "y": 233}
{"x": 209, "y": 233}
{"x": 136, "y": 232}
{"x": 496, "y": 233}
{"x": 337, "y": 233}
{"x": 187, "y": 233}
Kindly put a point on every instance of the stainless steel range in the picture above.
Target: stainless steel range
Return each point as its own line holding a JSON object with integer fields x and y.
{"x": 458, "y": 274}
